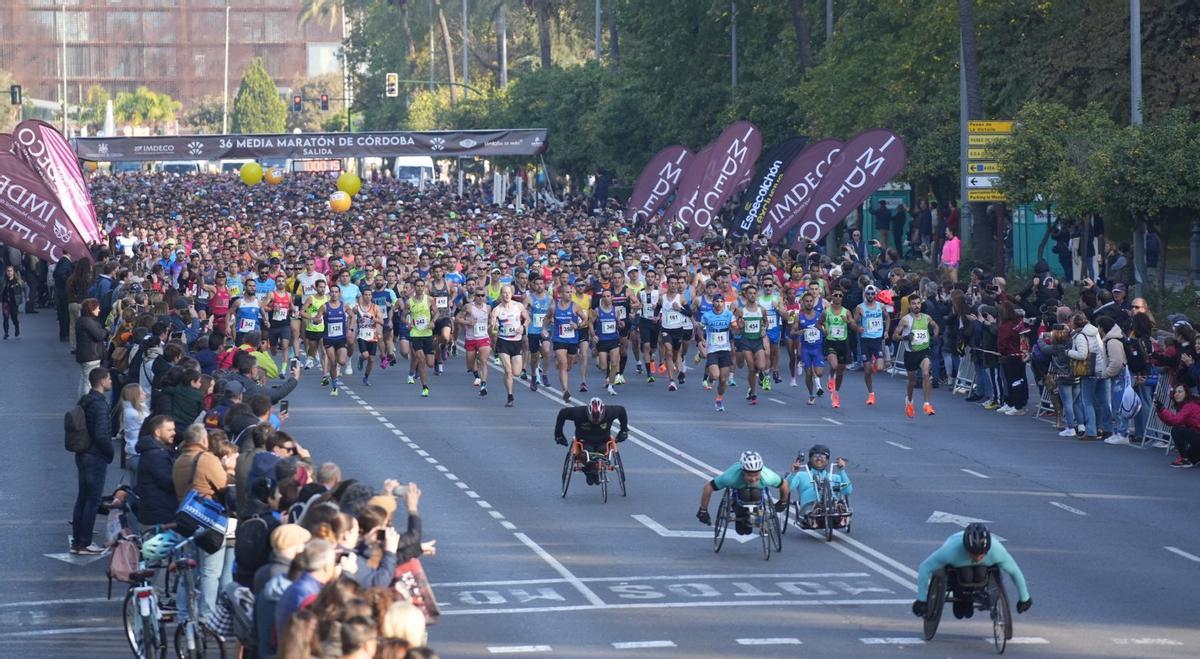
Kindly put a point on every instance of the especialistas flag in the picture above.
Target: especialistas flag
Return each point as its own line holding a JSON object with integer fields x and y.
{"x": 31, "y": 218}
{"x": 796, "y": 187}
{"x": 864, "y": 165}
{"x": 733, "y": 156}
{"x": 749, "y": 218}
{"x": 45, "y": 150}
{"x": 657, "y": 181}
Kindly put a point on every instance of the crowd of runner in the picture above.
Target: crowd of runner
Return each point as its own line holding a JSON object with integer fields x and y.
{"x": 213, "y": 299}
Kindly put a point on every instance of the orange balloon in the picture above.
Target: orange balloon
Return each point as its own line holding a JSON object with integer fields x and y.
{"x": 339, "y": 202}
{"x": 274, "y": 176}
{"x": 91, "y": 165}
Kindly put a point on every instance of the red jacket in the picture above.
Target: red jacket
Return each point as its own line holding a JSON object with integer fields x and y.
{"x": 1187, "y": 417}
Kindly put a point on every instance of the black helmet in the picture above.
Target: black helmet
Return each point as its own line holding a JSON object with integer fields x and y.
{"x": 977, "y": 540}
{"x": 818, "y": 449}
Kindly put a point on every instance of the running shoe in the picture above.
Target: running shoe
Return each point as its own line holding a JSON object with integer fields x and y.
{"x": 720, "y": 405}
{"x": 308, "y": 364}
{"x": 1004, "y": 409}
{"x": 831, "y": 383}
{"x": 1117, "y": 439}
{"x": 424, "y": 391}
{"x": 812, "y": 400}
{"x": 928, "y": 409}
{"x": 775, "y": 376}
{"x": 533, "y": 384}
{"x": 496, "y": 360}
{"x": 682, "y": 377}
{"x": 360, "y": 363}
{"x": 325, "y": 381}
{"x": 333, "y": 391}
{"x": 671, "y": 387}
{"x": 583, "y": 387}
{"x": 524, "y": 374}
{"x": 820, "y": 389}
{"x": 90, "y": 550}
{"x": 349, "y": 370}
{"x": 366, "y": 382}
{"x": 545, "y": 380}
{"x": 707, "y": 385}
{"x": 835, "y": 400}
{"x": 649, "y": 379}
{"x": 909, "y": 411}
{"x": 566, "y": 396}
{"x": 1067, "y": 432}
{"x": 662, "y": 369}
{"x": 793, "y": 382}
{"x": 509, "y": 402}
{"x": 483, "y": 390}
{"x": 696, "y": 359}
{"x": 476, "y": 382}
{"x": 620, "y": 379}
{"x": 637, "y": 368}
{"x": 766, "y": 382}
{"x": 754, "y": 399}
{"x": 384, "y": 361}
{"x": 1182, "y": 463}
{"x": 871, "y": 398}
{"x": 411, "y": 379}
{"x": 611, "y": 391}
{"x": 732, "y": 381}
{"x": 1021, "y": 411}
{"x": 991, "y": 405}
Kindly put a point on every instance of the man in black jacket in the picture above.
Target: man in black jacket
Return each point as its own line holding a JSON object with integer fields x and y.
{"x": 155, "y": 487}
{"x": 255, "y": 524}
{"x": 92, "y": 464}
{"x": 593, "y": 423}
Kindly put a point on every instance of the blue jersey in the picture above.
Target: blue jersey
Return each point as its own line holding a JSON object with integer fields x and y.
{"x": 704, "y": 307}
{"x": 539, "y": 308}
{"x": 335, "y": 322}
{"x": 383, "y": 301}
{"x": 350, "y": 293}
{"x": 716, "y": 329}
{"x": 264, "y": 288}
{"x": 606, "y": 324}
{"x": 810, "y": 331}
{"x": 802, "y": 484}
{"x": 248, "y": 318}
{"x": 563, "y": 318}
{"x": 953, "y": 554}
{"x": 872, "y": 320}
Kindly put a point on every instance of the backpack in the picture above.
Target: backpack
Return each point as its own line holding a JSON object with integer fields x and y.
{"x": 1136, "y": 354}
{"x": 239, "y": 602}
{"x": 77, "y": 439}
{"x": 124, "y": 560}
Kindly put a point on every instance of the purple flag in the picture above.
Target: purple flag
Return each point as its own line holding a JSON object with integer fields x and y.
{"x": 732, "y": 160}
{"x": 749, "y": 218}
{"x": 689, "y": 182}
{"x": 794, "y": 192}
{"x": 30, "y": 217}
{"x": 864, "y": 165}
{"x": 45, "y": 150}
{"x": 658, "y": 180}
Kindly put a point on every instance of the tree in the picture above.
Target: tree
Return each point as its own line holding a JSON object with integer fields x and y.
{"x": 312, "y": 118}
{"x": 325, "y": 10}
{"x": 145, "y": 107}
{"x": 258, "y": 108}
{"x": 1030, "y": 158}
{"x": 206, "y": 114}
{"x": 800, "y": 25}
{"x": 447, "y": 46}
{"x": 10, "y": 116}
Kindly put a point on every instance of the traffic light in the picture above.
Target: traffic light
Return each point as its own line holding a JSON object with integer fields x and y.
{"x": 324, "y": 102}
{"x": 15, "y": 93}
{"x": 392, "y": 85}
{"x": 297, "y": 103}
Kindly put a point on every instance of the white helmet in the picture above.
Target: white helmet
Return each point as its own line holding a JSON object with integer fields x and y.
{"x": 752, "y": 461}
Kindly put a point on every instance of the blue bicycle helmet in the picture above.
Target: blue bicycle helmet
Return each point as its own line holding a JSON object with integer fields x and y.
{"x": 977, "y": 540}
{"x": 158, "y": 548}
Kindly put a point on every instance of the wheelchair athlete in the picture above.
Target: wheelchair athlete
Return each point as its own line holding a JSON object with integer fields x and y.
{"x": 748, "y": 476}
{"x": 975, "y": 549}
{"x": 593, "y": 422}
{"x": 801, "y": 482}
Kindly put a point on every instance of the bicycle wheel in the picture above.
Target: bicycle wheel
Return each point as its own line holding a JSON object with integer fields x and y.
{"x": 146, "y": 636}
{"x": 934, "y": 601}
{"x": 620, "y": 470}
{"x": 196, "y": 641}
{"x": 1001, "y": 614}
{"x": 568, "y": 464}
{"x": 721, "y": 523}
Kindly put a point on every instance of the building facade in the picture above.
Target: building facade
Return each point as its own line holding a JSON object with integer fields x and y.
{"x": 172, "y": 46}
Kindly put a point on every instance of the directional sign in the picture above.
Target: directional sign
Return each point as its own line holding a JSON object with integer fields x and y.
{"x": 668, "y": 533}
{"x": 981, "y": 153}
{"x": 983, "y": 181}
{"x": 985, "y": 195}
{"x": 939, "y": 517}
{"x": 989, "y": 126}
{"x": 983, "y": 167}
{"x": 984, "y": 140}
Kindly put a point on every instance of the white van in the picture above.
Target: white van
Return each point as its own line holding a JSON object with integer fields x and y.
{"x": 412, "y": 169}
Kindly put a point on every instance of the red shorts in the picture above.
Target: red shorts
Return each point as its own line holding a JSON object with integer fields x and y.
{"x": 476, "y": 344}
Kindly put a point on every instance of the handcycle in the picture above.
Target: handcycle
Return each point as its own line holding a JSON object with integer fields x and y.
{"x": 760, "y": 514}
{"x": 983, "y": 587}
{"x": 831, "y": 509}
{"x": 606, "y": 462}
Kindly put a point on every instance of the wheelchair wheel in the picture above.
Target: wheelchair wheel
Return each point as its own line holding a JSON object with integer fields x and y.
{"x": 849, "y": 514}
{"x": 568, "y": 467}
{"x": 764, "y": 532}
{"x": 787, "y": 515}
{"x": 775, "y": 532}
{"x": 602, "y": 475}
{"x": 1001, "y": 613}
{"x": 721, "y": 523}
{"x": 827, "y": 507}
{"x": 934, "y": 601}
{"x": 616, "y": 458}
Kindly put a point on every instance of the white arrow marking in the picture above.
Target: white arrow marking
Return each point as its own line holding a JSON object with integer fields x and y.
{"x": 668, "y": 533}
{"x": 939, "y": 517}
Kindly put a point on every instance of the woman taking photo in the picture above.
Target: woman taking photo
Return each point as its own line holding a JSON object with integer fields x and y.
{"x": 1183, "y": 417}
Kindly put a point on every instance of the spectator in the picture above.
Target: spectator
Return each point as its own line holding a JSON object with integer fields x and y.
{"x": 198, "y": 469}
{"x": 1113, "y": 383}
{"x": 951, "y": 254}
{"x": 359, "y": 638}
{"x": 77, "y": 285}
{"x": 1086, "y": 347}
{"x": 899, "y": 219}
{"x": 406, "y": 622}
{"x": 92, "y": 464}
{"x": 155, "y": 486}
{"x": 883, "y": 223}
{"x": 12, "y": 295}
{"x": 1059, "y": 377}
{"x": 256, "y": 522}
{"x": 245, "y": 364}
{"x": 133, "y": 413}
{"x": 187, "y": 400}
{"x": 1011, "y": 343}
{"x": 90, "y": 339}
{"x": 298, "y": 639}
{"x": 1183, "y": 417}
{"x": 320, "y": 566}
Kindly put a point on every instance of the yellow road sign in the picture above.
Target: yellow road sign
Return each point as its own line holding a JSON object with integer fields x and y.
{"x": 980, "y": 153}
{"x": 984, "y": 167}
{"x": 989, "y": 126}
{"x": 984, "y": 140}
{"x": 985, "y": 195}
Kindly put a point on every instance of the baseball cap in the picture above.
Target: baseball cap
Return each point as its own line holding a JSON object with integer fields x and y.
{"x": 234, "y": 388}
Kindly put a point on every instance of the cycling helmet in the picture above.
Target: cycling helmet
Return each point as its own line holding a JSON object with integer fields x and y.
{"x": 870, "y": 292}
{"x": 595, "y": 410}
{"x": 818, "y": 449}
{"x": 751, "y": 461}
{"x": 158, "y": 548}
{"x": 977, "y": 539}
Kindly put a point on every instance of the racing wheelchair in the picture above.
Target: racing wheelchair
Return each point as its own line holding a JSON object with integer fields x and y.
{"x": 980, "y": 586}
{"x": 760, "y": 514}
{"x": 606, "y": 462}
{"x": 831, "y": 509}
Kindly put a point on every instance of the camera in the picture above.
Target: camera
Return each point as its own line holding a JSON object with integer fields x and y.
{"x": 400, "y": 490}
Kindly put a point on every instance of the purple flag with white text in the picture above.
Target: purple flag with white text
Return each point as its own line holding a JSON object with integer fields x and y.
{"x": 658, "y": 180}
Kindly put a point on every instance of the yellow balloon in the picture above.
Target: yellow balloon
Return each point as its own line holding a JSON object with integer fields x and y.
{"x": 91, "y": 166}
{"x": 349, "y": 183}
{"x": 274, "y": 176}
{"x": 252, "y": 173}
{"x": 339, "y": 202}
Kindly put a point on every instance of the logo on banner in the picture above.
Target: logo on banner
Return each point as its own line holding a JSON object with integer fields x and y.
{"x": 102, "y": 149}
{"x": 467, "y": 143}
{"x": 61, "y": 232}
{"x": 195, "y": 148}
{"x": 437, "y": 143}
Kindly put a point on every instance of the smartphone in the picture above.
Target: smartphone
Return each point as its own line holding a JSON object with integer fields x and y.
{"x": 380, "y": 536}
{"x": 283, "y": 407}
{"x": 292, "y": 364}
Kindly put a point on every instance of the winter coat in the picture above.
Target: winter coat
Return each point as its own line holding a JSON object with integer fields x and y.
{"x": 209, "y": 475}
{"x": 187, "y": 404}
{"x": 1086, "y": 342}
{"x": 98, "y": 417}
{"x": 1188, "y": 416}
{"x": 155, "y": 487}
{"x": 1114, "y": 352}
{"x": 90, "y": 338}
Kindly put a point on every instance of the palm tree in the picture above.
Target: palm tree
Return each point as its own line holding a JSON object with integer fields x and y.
{"x": 448, "y": 45}
{"x": 543, "y": 9}
{"x": 984, "y": 237}
{"x": 330, "y": 10}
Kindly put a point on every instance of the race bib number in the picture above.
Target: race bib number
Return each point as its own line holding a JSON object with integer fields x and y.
{"x": 279, "y": 314}
{"x": 812, "y": 335}
{"x": 608, "y": 326}
{"x": 442, "y": 302}
{"x": 334, "y": 329}
{"x": 509, "y": 331}
{"x": 246, "y": 325}
{"x": 366, "y": 333}
{"x": 536, "y": 321}
{"x": 920, "y": 337}
{"x": 875, "y": 324}
{"x": 648, "y": 312}
{"x": 481, "y": 329}
{"x": 753, "y": 326}
{"x": 772, "y": 321}
{"x": 566, "y": 332}
{"x": 837, "y": 333}
{"x": 620, "y": 311}
{"x": 420, "y": 322}
{"x": 674, "y": 318}
{"x": 718, "y": 341}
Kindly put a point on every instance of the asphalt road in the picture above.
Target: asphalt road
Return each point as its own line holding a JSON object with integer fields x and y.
{"x": 1101, "y": 532}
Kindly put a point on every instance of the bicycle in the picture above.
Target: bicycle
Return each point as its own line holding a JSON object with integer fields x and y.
{"x": 144, "y": 612}
{"x": 761, "y": 516}
{"x": 194, "y": 639}
{"x": 831, "y": 509}
{"x": 963, "y": 585}
{"x": 608, "y": 461}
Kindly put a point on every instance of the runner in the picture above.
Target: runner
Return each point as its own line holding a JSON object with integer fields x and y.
{"x": 420, "y": 319}
{"x": 752, "y": 320}
{"x": 245, "y": 314}
{"x": 367, "y": 327}
{"x": 564, "y": 317}
{"x": 474, "y": 318}
{"x": 672, "y": 312}
{"x": 582, "y": 298}
{"x": 871, "y": 318}
{"x": 808, "y": 326}
{"x": 538, "y": 305}
{"x": 916, "y": 329}
{"x": 509, "y": 320}
{"x": 314, "y": 328}
{"x": 279, "y": 306}
{"x": 837, "y": 323}
{"x": 337, "y": 328}
{"x": 648, "y": 325}
{"x": 384, "y": 300}
{"x": 718, "y": 360}
{"x": 608, "y": 339}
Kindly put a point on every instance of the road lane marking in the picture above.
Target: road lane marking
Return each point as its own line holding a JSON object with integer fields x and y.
{"x": 893, "y": 640}
{"x": 1146, "y": 641}
{"x": 483, "y": 504}
{"x": 898, "y": 445}
{"x": 561, "y": 570}
{"x": 637, "y": 645}
{"x": 462, "y": 486}
{"x": 660, "y": 577}
{"x": 1180, "y": 552}
{"x": 473, "y": 494}
{"x": 442, "y": 468}
{"x": 769, "y": 641}
{"x": 669, "y": 533}
{"x": 508, "y": 525}
{"x": 496, "y": 514}
{"x": 423, "y": 453}
{"x": 81, "y": 600}
{"x": 1073, "y": 511}
{"x": 833, "y": 421}
{"x": 676, "y": 605}
{"x": 517, "y": 649}
{"x": 776, "y": 400}
{"x": 974, "y": 473}
{"x": 59, "y": 631}
{"x": 1021, "y": 640}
